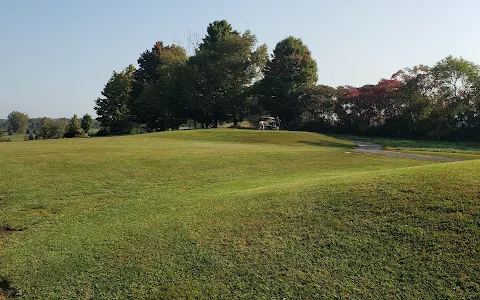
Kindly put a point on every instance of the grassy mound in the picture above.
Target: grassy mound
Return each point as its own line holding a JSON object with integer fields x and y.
{"x": 279, "y": 138}
{"x": 234, "y": 214}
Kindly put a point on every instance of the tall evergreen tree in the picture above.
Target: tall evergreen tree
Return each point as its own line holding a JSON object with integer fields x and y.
{"x": 289, "y": 75}
{"x": 226, "y": 64}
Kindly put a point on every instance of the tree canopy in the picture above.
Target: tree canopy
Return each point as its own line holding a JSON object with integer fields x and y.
{"x": 112, "y": 110}
{"x": 226, "y": 65}
{"x": 229, "y": 77}
{"x": 87, "y": 123}
{"x": 52, "y": 129}
{"x": 288, "y": 77}
{"x": 17, "y": 122}
{"x": 155, "y": 100}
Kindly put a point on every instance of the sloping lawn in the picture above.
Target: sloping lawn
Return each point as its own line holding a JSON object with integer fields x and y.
{"x": 233, "y": 214}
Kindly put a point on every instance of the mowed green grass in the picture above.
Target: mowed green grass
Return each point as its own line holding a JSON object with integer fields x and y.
{"x": 15, "y": 137}
{"x": 234, "y": 214}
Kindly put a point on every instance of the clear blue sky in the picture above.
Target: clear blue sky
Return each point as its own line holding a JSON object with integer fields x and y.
{"x": 56, "y": 55}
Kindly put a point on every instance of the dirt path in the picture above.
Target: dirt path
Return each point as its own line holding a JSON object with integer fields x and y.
{"x": 364, "y": 147}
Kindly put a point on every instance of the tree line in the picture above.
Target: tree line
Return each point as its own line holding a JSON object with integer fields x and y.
{"x": 230, "y": 78}
{"x": 422, "y": 102}
{"x": 45, "y": 128}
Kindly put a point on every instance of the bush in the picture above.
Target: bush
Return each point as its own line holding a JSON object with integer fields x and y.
{"x": 75, "y": 134}
{"x": 52, "y": 129}
{"x": 101, "y": 132}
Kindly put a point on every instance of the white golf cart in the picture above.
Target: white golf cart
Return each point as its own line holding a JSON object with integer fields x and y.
{"x": 268, "y": 123}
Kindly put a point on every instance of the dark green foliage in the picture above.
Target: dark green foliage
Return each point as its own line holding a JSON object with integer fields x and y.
{"x": 17, "y": 122}
{"x": 155, "y": 100}
{"x": 230, "y": 79}
{"x": 216, "y": 32}
{"x": 112, "y": 110}
{"x": 168, "y": 88}
{"x": 87, "y": 123}
{"x": 288, "y": 77}
{"x": 224, "y": 67}
{"x": 320, "y": 104}
{"x": 74, "y": 128}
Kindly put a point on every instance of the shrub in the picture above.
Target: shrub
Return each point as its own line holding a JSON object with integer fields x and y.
{"x": 52, "y": 129}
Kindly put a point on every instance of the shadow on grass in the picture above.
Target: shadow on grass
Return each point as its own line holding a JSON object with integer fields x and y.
{"x": 326, "y": 144}
{"x": 6, "y": 289}
{"x": 7, "y": 229}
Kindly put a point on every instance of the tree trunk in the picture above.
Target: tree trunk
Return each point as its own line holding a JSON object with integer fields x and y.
{"x": 235, "y": 122}
{"x": 215, "y": 123}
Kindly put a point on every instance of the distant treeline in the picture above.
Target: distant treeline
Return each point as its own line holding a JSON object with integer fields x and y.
{"x": 46, "y": 128}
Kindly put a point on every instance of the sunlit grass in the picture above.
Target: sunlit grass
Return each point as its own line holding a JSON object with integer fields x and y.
{"x": 234, "y": 214}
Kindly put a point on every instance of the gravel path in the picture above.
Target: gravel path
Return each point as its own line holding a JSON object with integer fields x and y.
{"x": 364, "y": 147}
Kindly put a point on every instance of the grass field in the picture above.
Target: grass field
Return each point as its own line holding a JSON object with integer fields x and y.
{"x": 234, "y": 214}
{"x": 14, "y": 137}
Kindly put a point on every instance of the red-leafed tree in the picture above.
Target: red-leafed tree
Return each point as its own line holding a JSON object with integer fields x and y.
{"x": 367, "y": 107}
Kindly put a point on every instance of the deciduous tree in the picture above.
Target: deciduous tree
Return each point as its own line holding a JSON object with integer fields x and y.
{"x": 112, "y": 109}
{"x": 52, "y": 129}
{"x": 226, "y": 64}
{"x": 156, "y": 100}
{"x": 17, "y": 122}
